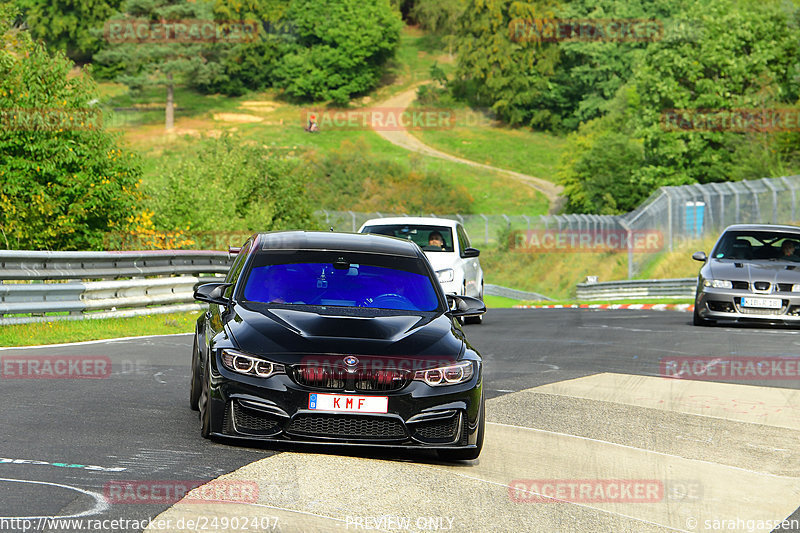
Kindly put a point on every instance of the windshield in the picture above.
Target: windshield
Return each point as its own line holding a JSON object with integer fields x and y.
{"x": 755, "y": 245}
{"x": 429, "y": 238}
{"x": 341, "y": 279}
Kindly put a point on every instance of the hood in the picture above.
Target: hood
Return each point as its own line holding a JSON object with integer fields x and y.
{"x": 742, "y": 270}
{"x": 286, "y": 335}
{"x": 441, "y": 260}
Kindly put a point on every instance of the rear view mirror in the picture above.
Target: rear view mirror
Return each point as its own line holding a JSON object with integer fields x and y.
{"x": 465, "y": 305}
{"x": 471, "y": 252}
{"x": 212, "y": 293}
{"x": 700, "y": 256}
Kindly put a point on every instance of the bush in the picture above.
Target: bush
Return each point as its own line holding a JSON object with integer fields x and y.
{"x": 64, "y": 180}
{"x": 229, "y": 186}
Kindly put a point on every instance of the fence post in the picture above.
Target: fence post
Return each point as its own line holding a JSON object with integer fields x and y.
{"x": 486, "y": 234}
{"x": 669, "y": 216}
{"x": 772, "y": 188}
{"x": 789, "y": 187}
{"x": 354, "y": 220}
{"x": 756, "y": 206}
{"x": 736, "y": 200}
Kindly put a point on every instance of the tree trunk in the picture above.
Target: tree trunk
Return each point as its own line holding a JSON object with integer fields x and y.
{"x": 170, "y": 104}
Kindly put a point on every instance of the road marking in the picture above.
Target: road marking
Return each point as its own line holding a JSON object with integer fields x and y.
{"x": 91, "y": 468}
{"x": 100, "y": 504}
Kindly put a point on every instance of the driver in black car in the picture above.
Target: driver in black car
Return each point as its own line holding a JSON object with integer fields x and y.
{"x": 435, "y": 239}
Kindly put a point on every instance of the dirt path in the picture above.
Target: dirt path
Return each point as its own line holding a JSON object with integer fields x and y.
{"x": 404, "y": 139}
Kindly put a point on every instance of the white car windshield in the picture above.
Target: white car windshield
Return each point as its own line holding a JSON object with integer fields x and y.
{"x": 429, "y": 238}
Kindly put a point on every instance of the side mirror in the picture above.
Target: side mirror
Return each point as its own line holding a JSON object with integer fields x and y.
{"x": 465, "y": 305}
{"x": 700, "y": 256}
{"x": 471, "y": 252}
{"x": 212, "y": 293}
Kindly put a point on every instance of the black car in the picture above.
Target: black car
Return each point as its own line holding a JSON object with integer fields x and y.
{"x": 338, "y": 338}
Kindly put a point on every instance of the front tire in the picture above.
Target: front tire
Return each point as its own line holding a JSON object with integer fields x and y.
{"x": 204, "y": 406}
{"x": 194, "y": 390}
{"x": 697, "y": 320}
{"x": 475, "y": 319}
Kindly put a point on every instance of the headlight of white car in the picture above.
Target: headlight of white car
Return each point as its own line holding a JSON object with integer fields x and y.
{"x": 718, "y": 283}
{"x": 445, "y": 275}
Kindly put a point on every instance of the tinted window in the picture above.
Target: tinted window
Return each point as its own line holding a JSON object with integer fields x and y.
{"x": 236, "y": 268}
{"x": 421, "y": 235}
{"x": 752, "y": 245}
{"x": 341, "y": 279}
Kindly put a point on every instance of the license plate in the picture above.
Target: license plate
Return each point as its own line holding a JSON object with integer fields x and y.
{"x": 768, "y": 303}
{"x": 348, "y": 404}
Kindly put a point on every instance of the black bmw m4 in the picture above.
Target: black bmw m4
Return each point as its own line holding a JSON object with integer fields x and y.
{"x": 337, "y": 338}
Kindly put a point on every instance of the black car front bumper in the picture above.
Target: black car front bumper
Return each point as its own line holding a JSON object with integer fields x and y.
{"x": 276, "y": 409}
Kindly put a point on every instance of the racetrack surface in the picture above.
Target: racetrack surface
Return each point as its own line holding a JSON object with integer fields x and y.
{"x": 574, "y": 400}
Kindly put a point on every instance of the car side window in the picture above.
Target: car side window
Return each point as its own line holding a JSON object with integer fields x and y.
{"x": 463, "y": 241}
{"x": 236, "y": 269}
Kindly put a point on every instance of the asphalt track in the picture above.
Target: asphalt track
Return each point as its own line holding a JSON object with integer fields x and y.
{"x": 575, "y": 399}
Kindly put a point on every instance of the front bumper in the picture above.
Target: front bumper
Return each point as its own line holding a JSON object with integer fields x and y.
{"x": 726, "y": 304}
{"x": 276, "y": 409}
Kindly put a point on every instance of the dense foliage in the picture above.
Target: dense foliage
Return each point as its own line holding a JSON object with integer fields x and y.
{"x": 339, "y": 48}
{"x": 64, "y": 180}
{"x": 69, "y": 25}
{"x": 228, "y": 186}
{"x": 708, "y": 54}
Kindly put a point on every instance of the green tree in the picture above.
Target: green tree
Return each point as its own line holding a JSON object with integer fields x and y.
{"x": 162, "y": 54}
{"x": 339, "y": 50}
{"x": 745, "y": 57}
{"x": 440, "y": 17}
{"x": 64, "y": 180}
{"x": 67, "y": 25}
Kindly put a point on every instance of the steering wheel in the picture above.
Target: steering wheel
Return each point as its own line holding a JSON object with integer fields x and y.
{"x": 389, "y": 297}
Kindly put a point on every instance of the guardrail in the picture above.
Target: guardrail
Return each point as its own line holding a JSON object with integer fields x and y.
{"x": 642, "y": 288}
{"x": 28, "y": 265}
{"x": 514, "y": 294}
{"x": 172, "y": 291}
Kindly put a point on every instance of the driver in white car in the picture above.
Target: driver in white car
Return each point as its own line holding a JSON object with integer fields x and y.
{"x": 435, "y": 239}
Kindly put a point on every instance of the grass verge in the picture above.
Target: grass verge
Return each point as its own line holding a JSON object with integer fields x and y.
{"x": 61, "y": 331}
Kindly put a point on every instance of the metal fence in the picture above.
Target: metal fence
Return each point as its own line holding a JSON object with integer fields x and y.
{"x": 679, "y": 216}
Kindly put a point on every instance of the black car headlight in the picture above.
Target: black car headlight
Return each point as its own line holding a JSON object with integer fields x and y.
{"x": 250, "y": 365}
{"x": 447, "y": 375}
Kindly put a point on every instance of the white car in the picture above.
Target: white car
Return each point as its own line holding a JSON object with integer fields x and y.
{"x": 454, "y": 260}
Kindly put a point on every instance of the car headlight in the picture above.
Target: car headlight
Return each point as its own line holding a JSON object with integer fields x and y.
{"x": 718, "y": 283}
{"x": 251, "y": 366}
{"x": 795, "y": 288}
{"x": 445, "y": 275}
{"x": 446, "y": 375}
